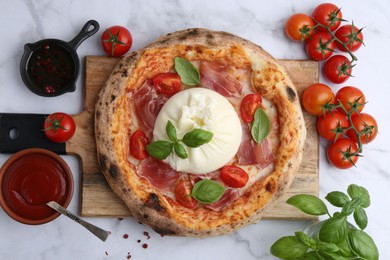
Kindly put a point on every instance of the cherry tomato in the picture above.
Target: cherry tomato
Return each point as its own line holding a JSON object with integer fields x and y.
{"x": 315, "y": 97}
{"x": 328, "y": 14}
{"x": 248, "y": 106}
{"x": 183, "y": 194}
{"x": 351, "y": 98}
{"x": 320, "y": 46}
{"x": 342, "y": 153}
{"x": 332, "y": 126}
{"x": 349, "y": 35}
{"x": 298, "y": 27}
{"x": 116, "y": 41}
{"x": 234, "y": 176}
{"x": 138, "y": 143}
{"x": 337, "y": 69}
{"x": 59, "y": 127}
{"x": 167, "y": 83}
{"x": 364, "y": 124}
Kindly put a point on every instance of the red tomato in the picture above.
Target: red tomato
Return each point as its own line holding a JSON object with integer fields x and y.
{"x": 183, "y": 192}
{"x": 248, "y": 107}
{"x": 315, "y": 97}
{"x": 364, "y": 124}
{"x": 320, "y": 46}
{"x": 332, "y": 126}
{"x": 351, "y": 98}
{"x": 234, "y": 176}
{"x": 342, "y": 153}
{"x": 59, "y": 127}
{"x": 298, "y": 27}
{"x": 351, "y": 36}
{"x": 138, "y": 143}
{"x": 116, "y": 41}
{"x": 337, "y": 69}
{"x": 328, "y": 14}
{"x": 167, "y": 83}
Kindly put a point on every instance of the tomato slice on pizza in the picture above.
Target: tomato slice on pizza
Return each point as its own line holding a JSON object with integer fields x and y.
{"x": 199, "y": 132}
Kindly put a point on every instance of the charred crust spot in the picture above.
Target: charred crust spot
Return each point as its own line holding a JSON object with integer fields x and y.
{"x": 103, "y": 161}
{"x": 98, "y": 114}
{"x": 113, "y": 170}
{"x": 289, "y": 165}
{"x": 165, "y": 231}
{"x": 113, "y": 98}
{"x": 124, "y": 73}
{"x": 291, "y": 94}
{"x": 154, "y": 202}
{"x": 270, "y": 187}
{"x": 189, "y": 34}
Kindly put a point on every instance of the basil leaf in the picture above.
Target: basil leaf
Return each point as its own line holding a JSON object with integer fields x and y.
{"x": 261, "y": 126}
{"x": 309, "y": 204}
{"x": 288, "y": 248}
{"x": 327, "y": 247}
{"x": 207, "y": 191}
{"x": 334, "y": 230}
{"x": 159, "y": 149}
{"x": 180, "y": 150}
{"x": 362, "y": 244}
{"x": 355, "y": 191}
{"x": 360, "y": 217}
{"x": 305, "y": 239}
{"x": 350, "y": 206}
{"x": 312, "y": 255}
{"x": 197, "y": 137}
{"x": 171, "y": 131}
{"x": 188, "y": 73}
{"x": 337, "y": 198}
{"x": 344, "y": 249}
{"x": 332, "y": 255}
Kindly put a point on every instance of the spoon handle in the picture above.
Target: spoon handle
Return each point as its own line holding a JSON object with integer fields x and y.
{"x": 100, "y": 233}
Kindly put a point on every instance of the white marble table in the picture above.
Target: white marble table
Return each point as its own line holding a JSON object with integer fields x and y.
{"x": 259, "y": 21}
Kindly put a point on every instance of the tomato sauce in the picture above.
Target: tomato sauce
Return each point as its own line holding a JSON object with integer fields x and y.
{"x": 32, "y": 181}
{"x": 51, "y": 68}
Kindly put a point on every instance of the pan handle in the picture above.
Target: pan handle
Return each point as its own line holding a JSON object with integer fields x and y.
{"x": 89, "y": 29}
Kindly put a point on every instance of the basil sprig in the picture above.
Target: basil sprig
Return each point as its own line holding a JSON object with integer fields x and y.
{"x": 188, "y": 73}
{"x": 207, "y": 191}
{"x": 162, "y": 149}
{"x": 261, "y": 125}
{"x": 337, "y": 239}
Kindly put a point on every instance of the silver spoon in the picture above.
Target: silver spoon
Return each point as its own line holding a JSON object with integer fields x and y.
{"x": 97, "y": 231}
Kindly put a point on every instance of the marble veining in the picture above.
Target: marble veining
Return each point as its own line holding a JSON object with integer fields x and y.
{"x": 257, "y": 20}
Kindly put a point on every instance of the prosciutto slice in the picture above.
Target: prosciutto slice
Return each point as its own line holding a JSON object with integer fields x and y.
{"x": 227, "y": 197}
{"x": 216, "y": 76}
{"x": 148, "y": 104}
{"x": 158, "y": 173}
{"x": 251, "y": 152}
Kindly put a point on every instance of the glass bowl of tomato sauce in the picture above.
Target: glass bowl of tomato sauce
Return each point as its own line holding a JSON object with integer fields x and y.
{"x": 31, "y": 178}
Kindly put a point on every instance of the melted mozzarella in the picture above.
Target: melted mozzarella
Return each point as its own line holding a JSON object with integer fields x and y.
{"x": 201, "y": 108}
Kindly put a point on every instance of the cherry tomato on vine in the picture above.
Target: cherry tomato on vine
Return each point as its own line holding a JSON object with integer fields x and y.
{"x": 298, "y": 27}
{"x": 320, "y": 46}
{"x": 59, "y": 127}
{"x": 315, "y": 97}
{"x": 116, "y": 41}
{"x": 248, "y": 106}
{"x": 183, "y": 192}
{"x": 337, "y": 69}
{"x": 167, "y": 83}
{"x": 342, "y": 153}
{"x": 351, "y": 36}
{"x": 234, "y": 176}
{"x": 327, "y": 14}
{"x": 332, "y": 126}
{"x": 364, "y": 124}
{"x": 351, "y": 98}
{"x": 138, "y": 143}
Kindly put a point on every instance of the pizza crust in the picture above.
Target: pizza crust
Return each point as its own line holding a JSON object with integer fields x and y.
{"x": 113, "y": 116}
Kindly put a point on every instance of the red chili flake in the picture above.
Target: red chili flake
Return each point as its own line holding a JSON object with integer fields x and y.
{"x": 128, "y": 255}
{"x": 145, "y": 245}
{"x": 125, "y": 236}
{"x": 146, "y": 234}
{"x": 49, "y": 89}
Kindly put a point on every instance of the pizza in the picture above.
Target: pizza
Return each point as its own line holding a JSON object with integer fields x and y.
{"x": 199, "y": 132}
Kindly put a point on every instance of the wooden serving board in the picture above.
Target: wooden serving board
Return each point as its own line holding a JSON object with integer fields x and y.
{"x": 97, "y": 199}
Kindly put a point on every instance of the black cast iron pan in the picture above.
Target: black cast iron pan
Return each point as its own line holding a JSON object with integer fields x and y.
{"x": 50, "y": 67}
